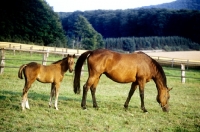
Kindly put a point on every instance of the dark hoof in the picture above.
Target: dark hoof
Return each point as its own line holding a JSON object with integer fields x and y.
{"x": 96, "y": 107}
{"x": 145, "y": 111}
{"x": 84, "y": 107}
{"x": 126, "y": 106}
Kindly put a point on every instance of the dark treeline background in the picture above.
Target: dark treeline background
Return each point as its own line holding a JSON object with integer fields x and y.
{"x": 143, "y": 23}
{"x": 34, "y": 21}
{"x": 30, "y": 21}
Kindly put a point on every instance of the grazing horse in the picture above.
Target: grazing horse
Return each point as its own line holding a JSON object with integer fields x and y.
{"x": 53, "y": 74}
{"x": 137, "y": 68}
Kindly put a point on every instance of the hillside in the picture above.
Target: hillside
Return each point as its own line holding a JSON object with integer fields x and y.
{"x": 179, "y": 4}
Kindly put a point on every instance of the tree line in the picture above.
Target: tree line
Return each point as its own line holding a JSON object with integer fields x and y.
{"x": 141, "y": 22}
{"x": 34, "y": 21}
{"x": 170, "y": 43}
{"x": 30, "y": 21}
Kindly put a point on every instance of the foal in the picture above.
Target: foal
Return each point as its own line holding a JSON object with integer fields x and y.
{"x": 53, "y": 74}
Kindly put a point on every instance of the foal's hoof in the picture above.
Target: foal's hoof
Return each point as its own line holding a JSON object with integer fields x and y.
{"x": 56, "y": 108}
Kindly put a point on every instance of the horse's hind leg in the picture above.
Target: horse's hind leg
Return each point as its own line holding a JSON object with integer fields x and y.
{"x": 132, "y": 90}
{"x": 89, "y": 84}
{"x": 93, "y": 91}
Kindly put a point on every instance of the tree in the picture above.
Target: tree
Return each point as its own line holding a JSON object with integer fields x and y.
{"x": 85, "y": 35}
{"x": 28, "y": 21}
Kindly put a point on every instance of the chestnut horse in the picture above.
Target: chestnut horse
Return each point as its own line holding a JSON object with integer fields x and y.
{"x": 53, "y": 74}
{"x": 137, "y": 68}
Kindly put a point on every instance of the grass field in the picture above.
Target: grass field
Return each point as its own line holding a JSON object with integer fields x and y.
{"x": 184, "y": 112}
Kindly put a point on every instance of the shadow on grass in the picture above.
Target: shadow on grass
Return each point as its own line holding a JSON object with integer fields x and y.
{"x": 12, "y": 99}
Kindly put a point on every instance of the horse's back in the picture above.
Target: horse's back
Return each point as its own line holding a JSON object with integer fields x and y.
{"x": 120, "y": 67}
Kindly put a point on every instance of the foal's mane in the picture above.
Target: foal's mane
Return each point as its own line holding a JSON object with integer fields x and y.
{"x": 159, "y": 69}
{"x": 59, "y": 60}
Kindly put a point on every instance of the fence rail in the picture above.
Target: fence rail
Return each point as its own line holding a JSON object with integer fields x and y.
{"x": 173, "y": 62}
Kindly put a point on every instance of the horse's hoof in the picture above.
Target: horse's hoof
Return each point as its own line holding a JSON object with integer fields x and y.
{"x": 126, "y": 106}
{"x": 145, "y": 111}
{"x": 84, "y": 107}
{"x": 96, "y": 107}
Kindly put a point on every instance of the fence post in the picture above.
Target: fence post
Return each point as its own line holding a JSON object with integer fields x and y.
{"x": 47, "y": 51}
{"x": 182, "y": 73}
{"x": 13, "y": 50}
{"x": 31, "y": 48}
{"x": 2, "y": 61}
{"x": 173, "y": 62}
{"x": 44, "y": 61}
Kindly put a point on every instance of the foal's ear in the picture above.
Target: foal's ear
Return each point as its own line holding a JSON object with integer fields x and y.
{"x": 169, "y": 89}
{"x": 74, "y": 56}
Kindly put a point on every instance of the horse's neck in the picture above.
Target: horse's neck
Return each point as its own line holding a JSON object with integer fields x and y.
{"x": 159, "y": 81}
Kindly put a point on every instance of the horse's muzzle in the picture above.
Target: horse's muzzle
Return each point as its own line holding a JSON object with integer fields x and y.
{"x": 165, "y": 108}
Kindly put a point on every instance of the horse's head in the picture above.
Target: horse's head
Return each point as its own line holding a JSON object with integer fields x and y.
{"x": 163, "y": 99}
{"x": 70, "y": 61}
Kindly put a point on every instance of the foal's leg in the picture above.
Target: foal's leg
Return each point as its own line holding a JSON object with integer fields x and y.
{"x": 141, "y": 89}
{"x": 52, "y": 93}
{"x": 27, "y": 85}
{"x": 57, "y": 86}
{"x": 132, "y": 90}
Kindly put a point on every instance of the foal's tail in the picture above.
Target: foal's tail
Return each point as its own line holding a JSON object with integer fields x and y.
{"x": 21, "y": 70}
{"x": 77, "y": 71}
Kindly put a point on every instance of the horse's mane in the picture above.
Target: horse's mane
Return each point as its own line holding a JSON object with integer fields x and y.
{"x": 159, "y": 68}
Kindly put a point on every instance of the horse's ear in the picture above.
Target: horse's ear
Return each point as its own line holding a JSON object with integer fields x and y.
{"x": 74, "y": 56}
{"x": 169, "y": 89}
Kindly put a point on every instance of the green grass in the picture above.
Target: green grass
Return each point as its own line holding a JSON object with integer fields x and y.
{"x": 184, "y": 112}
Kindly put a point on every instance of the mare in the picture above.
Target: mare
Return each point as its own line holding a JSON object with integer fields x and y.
{"x": 53, "y": 73}
{"x": 137, "y": 68}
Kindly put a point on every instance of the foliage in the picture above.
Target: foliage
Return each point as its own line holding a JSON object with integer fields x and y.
{"x": 171, "y": 43}
{"x": 142, "y": 23}
{"x": 85, "y": 36}
{"x": 184, "y": 112}
{"x": 30, "y": 21}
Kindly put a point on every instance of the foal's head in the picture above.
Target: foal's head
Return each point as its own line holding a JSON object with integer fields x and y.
{"x": 70, "y": 62}
{"x": 163, "y": 99}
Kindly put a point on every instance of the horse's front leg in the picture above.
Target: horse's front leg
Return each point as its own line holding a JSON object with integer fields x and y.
{"x": 131, "y": 92}
{"x": 141, "y": 89}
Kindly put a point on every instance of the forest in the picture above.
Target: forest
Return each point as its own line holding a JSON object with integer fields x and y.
{"x": 142, "y": 23}
{"x": 30, "y": 21}
{"x": 34, "y": 21}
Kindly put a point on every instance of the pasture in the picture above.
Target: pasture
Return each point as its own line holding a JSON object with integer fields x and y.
{"x": 184, "y": 114}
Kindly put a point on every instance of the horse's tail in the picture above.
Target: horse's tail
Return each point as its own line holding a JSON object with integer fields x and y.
{"x": 21, "y": 70}
{"x": 77, "y": 71}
